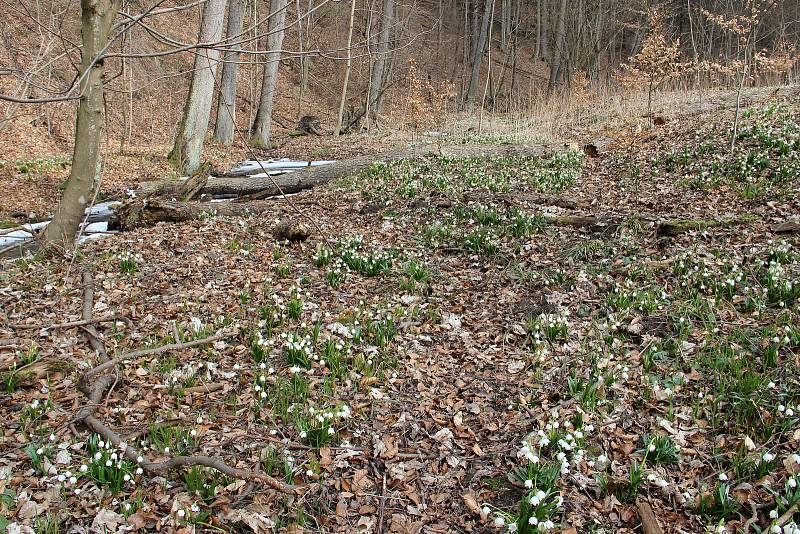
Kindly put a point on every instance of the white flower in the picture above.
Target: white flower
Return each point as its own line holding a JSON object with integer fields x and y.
{"x": 651, "y": 448}
{"x": 776, "y": 529}
{"x": 181, "y": 513}
{"x": 773, "y": 514}
{"x": 768, "y": 457}
{"x": 533, "y": 520}
{"x": 535, "y": 501}
{"x": 139, "y": 471}
{"x": 499, "y": 520}
{"x": 529, "y": 484}
{"x": 84, "y": 468}
{"x": 486, "y": 510}
{"x": 792, "y": 483}
{"x": 723, "y": 477}
{"x": 512, "y": 527}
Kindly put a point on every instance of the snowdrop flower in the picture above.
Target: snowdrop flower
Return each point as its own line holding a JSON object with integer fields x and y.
{"x": 181, "y": 513}
{"x": 535, "y": 501}
{"x": 651, "y": 447}
{"x": 548, "y": 525}
{"x": 776, "y": 529}
{"x": 84, "y": 468}
{"x": 499, "y": 520}
{"x": 773, "y": 514}
{"x": 529, "y": 483}
{"x": 789, "y": 412}
{"x": 61, "y": 478}
{"x": 768, "y": 457}
{"x": 126, "y": 478}
{"x": 512, "y": 527}
{"x": 792, "y": 482}
{"x": 108, "y": 463}
{"x": 723, "y": 477}
{"x": 40, "y": 451}
{"x": 139, "y": 459}
{"x": 139, "y": 471}
{"x": 533, "y": 521}
{"x": 486, "y": 510}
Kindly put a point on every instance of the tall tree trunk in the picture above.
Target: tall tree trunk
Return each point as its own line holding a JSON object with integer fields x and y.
{"x": 96, "y": 19}
{"x": 260, "y": 132}
{"x": 301, "y": 89}
{"x": 347, "y": 69}
{"x": 479, "y": 47}
{"x": 226, "y": 106}
{"x": 188, "y": 146}
{"x": 378, "y": 79}
{"x": 556, "y": 63}
{"x": 544, "y": 21}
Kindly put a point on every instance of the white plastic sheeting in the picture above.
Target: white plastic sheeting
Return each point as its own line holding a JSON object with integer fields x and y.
{"x": 283, "y": 164}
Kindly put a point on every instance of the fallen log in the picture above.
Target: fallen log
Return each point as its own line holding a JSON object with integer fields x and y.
{"x": 183, "y": 190}
{"x": 788, "y": 227}
{"x": 260, "y": 187}
{"x": 142, "y": 212}
{"x": 681, "y": 226}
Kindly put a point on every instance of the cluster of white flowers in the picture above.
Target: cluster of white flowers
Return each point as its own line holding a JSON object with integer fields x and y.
{"x": 297, "y": 345}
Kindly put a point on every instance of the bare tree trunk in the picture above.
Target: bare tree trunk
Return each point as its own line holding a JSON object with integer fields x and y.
{"x": 556, "y": 63}
{"x": 96, "y": 19}
{"x": 191, "y": 134}
{"x": 303, "y": 61}
{"x": 378, "y": 78}
{"x": 260, "y": 132}
{"x": 225, "y": 126}
{"x": 479, "y": 47}
{"x": 347, "y": 70}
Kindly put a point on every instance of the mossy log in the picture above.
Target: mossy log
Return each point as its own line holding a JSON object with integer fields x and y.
{"x": 142, "y": 212}
{"x": 681, "y": 226}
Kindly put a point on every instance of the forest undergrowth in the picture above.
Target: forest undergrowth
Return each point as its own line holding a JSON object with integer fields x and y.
{"x": 451, "y": 354}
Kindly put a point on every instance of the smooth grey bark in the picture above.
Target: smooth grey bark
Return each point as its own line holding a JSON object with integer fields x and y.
{"x": 96, "y": 19}
{"x": 558, "y": 49}
{"x": 478, "y": 56}
{"x": 378, "y": 78}
{"x": 186, "y": 151}
{"x": 225, "y": 126}
{"x": 349, "y": 67}
{"x": 260, "y": 132}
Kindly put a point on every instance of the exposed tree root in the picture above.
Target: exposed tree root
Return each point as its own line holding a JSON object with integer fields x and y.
{"x": 95, "y": 388}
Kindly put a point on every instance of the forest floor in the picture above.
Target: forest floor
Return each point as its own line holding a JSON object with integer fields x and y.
{"x": 444, "y": 354}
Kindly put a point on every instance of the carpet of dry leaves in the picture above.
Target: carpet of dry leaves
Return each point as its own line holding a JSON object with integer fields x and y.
{"x": 429, "y": 402}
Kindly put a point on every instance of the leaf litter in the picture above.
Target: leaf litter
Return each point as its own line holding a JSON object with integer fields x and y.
{"x": 451, "y": 359}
